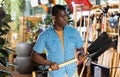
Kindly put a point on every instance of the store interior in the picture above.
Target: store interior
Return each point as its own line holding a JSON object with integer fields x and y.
{"x": 98, "y": 22}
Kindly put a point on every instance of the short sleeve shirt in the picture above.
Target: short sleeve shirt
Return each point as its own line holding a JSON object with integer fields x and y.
{"x": 50, "y": 41}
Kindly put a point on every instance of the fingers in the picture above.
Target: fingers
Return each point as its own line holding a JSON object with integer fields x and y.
{"x": 54, "y": 66}
{"x": 81, "y": 59}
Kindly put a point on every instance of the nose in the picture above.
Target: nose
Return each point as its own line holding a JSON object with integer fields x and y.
{"x": 66, "y": 17}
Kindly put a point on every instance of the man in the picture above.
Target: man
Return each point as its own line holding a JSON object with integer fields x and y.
{"x": 60, "y": 42}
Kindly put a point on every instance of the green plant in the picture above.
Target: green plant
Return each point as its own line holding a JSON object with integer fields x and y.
{"x": 16, "y": 9}
{"x": 33, "y": 30}
{"x": 4, "y": 51}
{"x": 48, "y": 20}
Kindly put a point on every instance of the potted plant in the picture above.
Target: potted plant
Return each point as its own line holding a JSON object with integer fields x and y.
{"x": 4, "y": 51}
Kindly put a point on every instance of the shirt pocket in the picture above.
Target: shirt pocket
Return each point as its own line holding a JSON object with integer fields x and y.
{"x": 51, "y": 46}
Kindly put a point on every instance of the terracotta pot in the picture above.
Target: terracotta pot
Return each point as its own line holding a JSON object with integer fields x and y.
{"x": 24, "y": 49}
{"x": 24, "y": 64}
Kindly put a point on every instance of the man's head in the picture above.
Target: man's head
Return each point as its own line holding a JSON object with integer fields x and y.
{"x": 56, "y": 9}
{"x": 59, "y": 15}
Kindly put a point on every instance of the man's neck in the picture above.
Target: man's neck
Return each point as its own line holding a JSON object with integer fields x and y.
{"x": 58, "y": 28}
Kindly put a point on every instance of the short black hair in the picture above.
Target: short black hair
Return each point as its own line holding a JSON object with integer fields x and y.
{"x": 56, "y": 9}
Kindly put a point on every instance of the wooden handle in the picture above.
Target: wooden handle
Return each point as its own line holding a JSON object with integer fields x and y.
{"x": 68, "y": 62}
{"x": 118, "y": 43}
{"x": 83, "y": 67}
{"x": 113, "y": 33}
{"x": 65, "y": 63}
{"x": 33, "y": 74}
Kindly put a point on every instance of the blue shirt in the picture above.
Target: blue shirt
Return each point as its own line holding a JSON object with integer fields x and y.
{"x": 50, "y": 41}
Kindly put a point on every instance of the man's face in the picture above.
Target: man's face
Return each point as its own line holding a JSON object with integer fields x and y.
{"x": 61, "y": 18}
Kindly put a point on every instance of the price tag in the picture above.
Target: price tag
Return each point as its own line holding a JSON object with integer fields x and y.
{"x": 44, "y": 1}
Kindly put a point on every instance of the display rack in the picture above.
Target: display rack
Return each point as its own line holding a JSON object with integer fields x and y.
{"x": 24, "y": 35}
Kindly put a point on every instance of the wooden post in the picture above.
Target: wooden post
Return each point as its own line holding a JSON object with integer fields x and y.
{"x": 74, "y": 14}
{"x": 84, "y": 64}
{"x": 33, "y": 74}
{"x": 87, "y": 34}
{"x": 86, "y": 45}
{"x": 118, "y": 44}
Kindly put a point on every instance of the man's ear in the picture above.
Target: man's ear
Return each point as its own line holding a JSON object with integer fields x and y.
{"x": 53, "y": 18}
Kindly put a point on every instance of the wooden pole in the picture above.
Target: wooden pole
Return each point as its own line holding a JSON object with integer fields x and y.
{"x": 74, "y": 14}
{"x": 84, "y": 64}
{"x": 87, "y": 35}
{"x": 65, "y": 63}
{"x": 85, "y": 47}
{"x": 33, "y": 74}
{"x": 118, "y": 47}
{"x": 118, "y": 44}
{"x": 81, "y": 23}
{"x": 94, "y": 29}
{"x": 105, "y": 23}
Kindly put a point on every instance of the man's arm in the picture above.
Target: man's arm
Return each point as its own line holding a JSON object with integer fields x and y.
{"x": 40, "y": 60}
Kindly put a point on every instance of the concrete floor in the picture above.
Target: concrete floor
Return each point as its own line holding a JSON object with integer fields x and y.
{"x": 17, "y": 74}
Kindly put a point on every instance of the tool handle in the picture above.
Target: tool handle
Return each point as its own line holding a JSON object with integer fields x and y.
{"x": 65, "y": 63}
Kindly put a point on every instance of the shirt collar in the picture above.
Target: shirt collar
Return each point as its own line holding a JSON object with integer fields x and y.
{"x": 52, "y": 27}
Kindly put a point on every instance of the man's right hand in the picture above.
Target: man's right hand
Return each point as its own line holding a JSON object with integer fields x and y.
{"x": 53, "y": 66}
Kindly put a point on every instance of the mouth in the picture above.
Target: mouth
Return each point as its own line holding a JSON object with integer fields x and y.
{"x": 66, "y": 21}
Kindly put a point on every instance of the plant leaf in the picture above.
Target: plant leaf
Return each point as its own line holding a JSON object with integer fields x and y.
{"x": 6, "y": 25}
{"x": 3, "y": 61}
{"x": 4, "y": 73}
{"x": 4, "y": 52}
{"x": 2, "y": 41}
{"x": 4, "y": 32}
{"x": 7, "y": 18}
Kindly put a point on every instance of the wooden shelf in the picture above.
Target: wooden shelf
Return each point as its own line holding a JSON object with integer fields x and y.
{"x": 24, "y": 35}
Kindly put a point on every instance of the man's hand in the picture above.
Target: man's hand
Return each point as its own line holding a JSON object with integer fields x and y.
{"x": 53, "y": 66}
{"x": 81, "y": 59}
{"x": 80, "y": 56}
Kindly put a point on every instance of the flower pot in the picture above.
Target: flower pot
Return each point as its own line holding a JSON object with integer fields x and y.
{"x": 24, "y": 64}
{"x": 24, "y": 49}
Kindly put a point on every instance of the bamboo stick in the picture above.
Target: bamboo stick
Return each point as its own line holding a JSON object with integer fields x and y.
{"x": 93, "y": 29}
{"x": 105, "y": 23}
{"x": 103, "y": 28}
{"x": 118, "y": 69}
{"x": 86, "y": 45}
{"x": 81, "y": 23}
{"x": 84, "y": 64}
{"x": 116, "y": 72}
{"x": 115, "y": 64}
{"x": 74, "y": 14}
{"x": 118, "y": 44}
{"x": 112, "y": 61}
{"x": 105, "y": 59}
{"x": 87, "y": 34}
{"x": 100, "y": 59}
